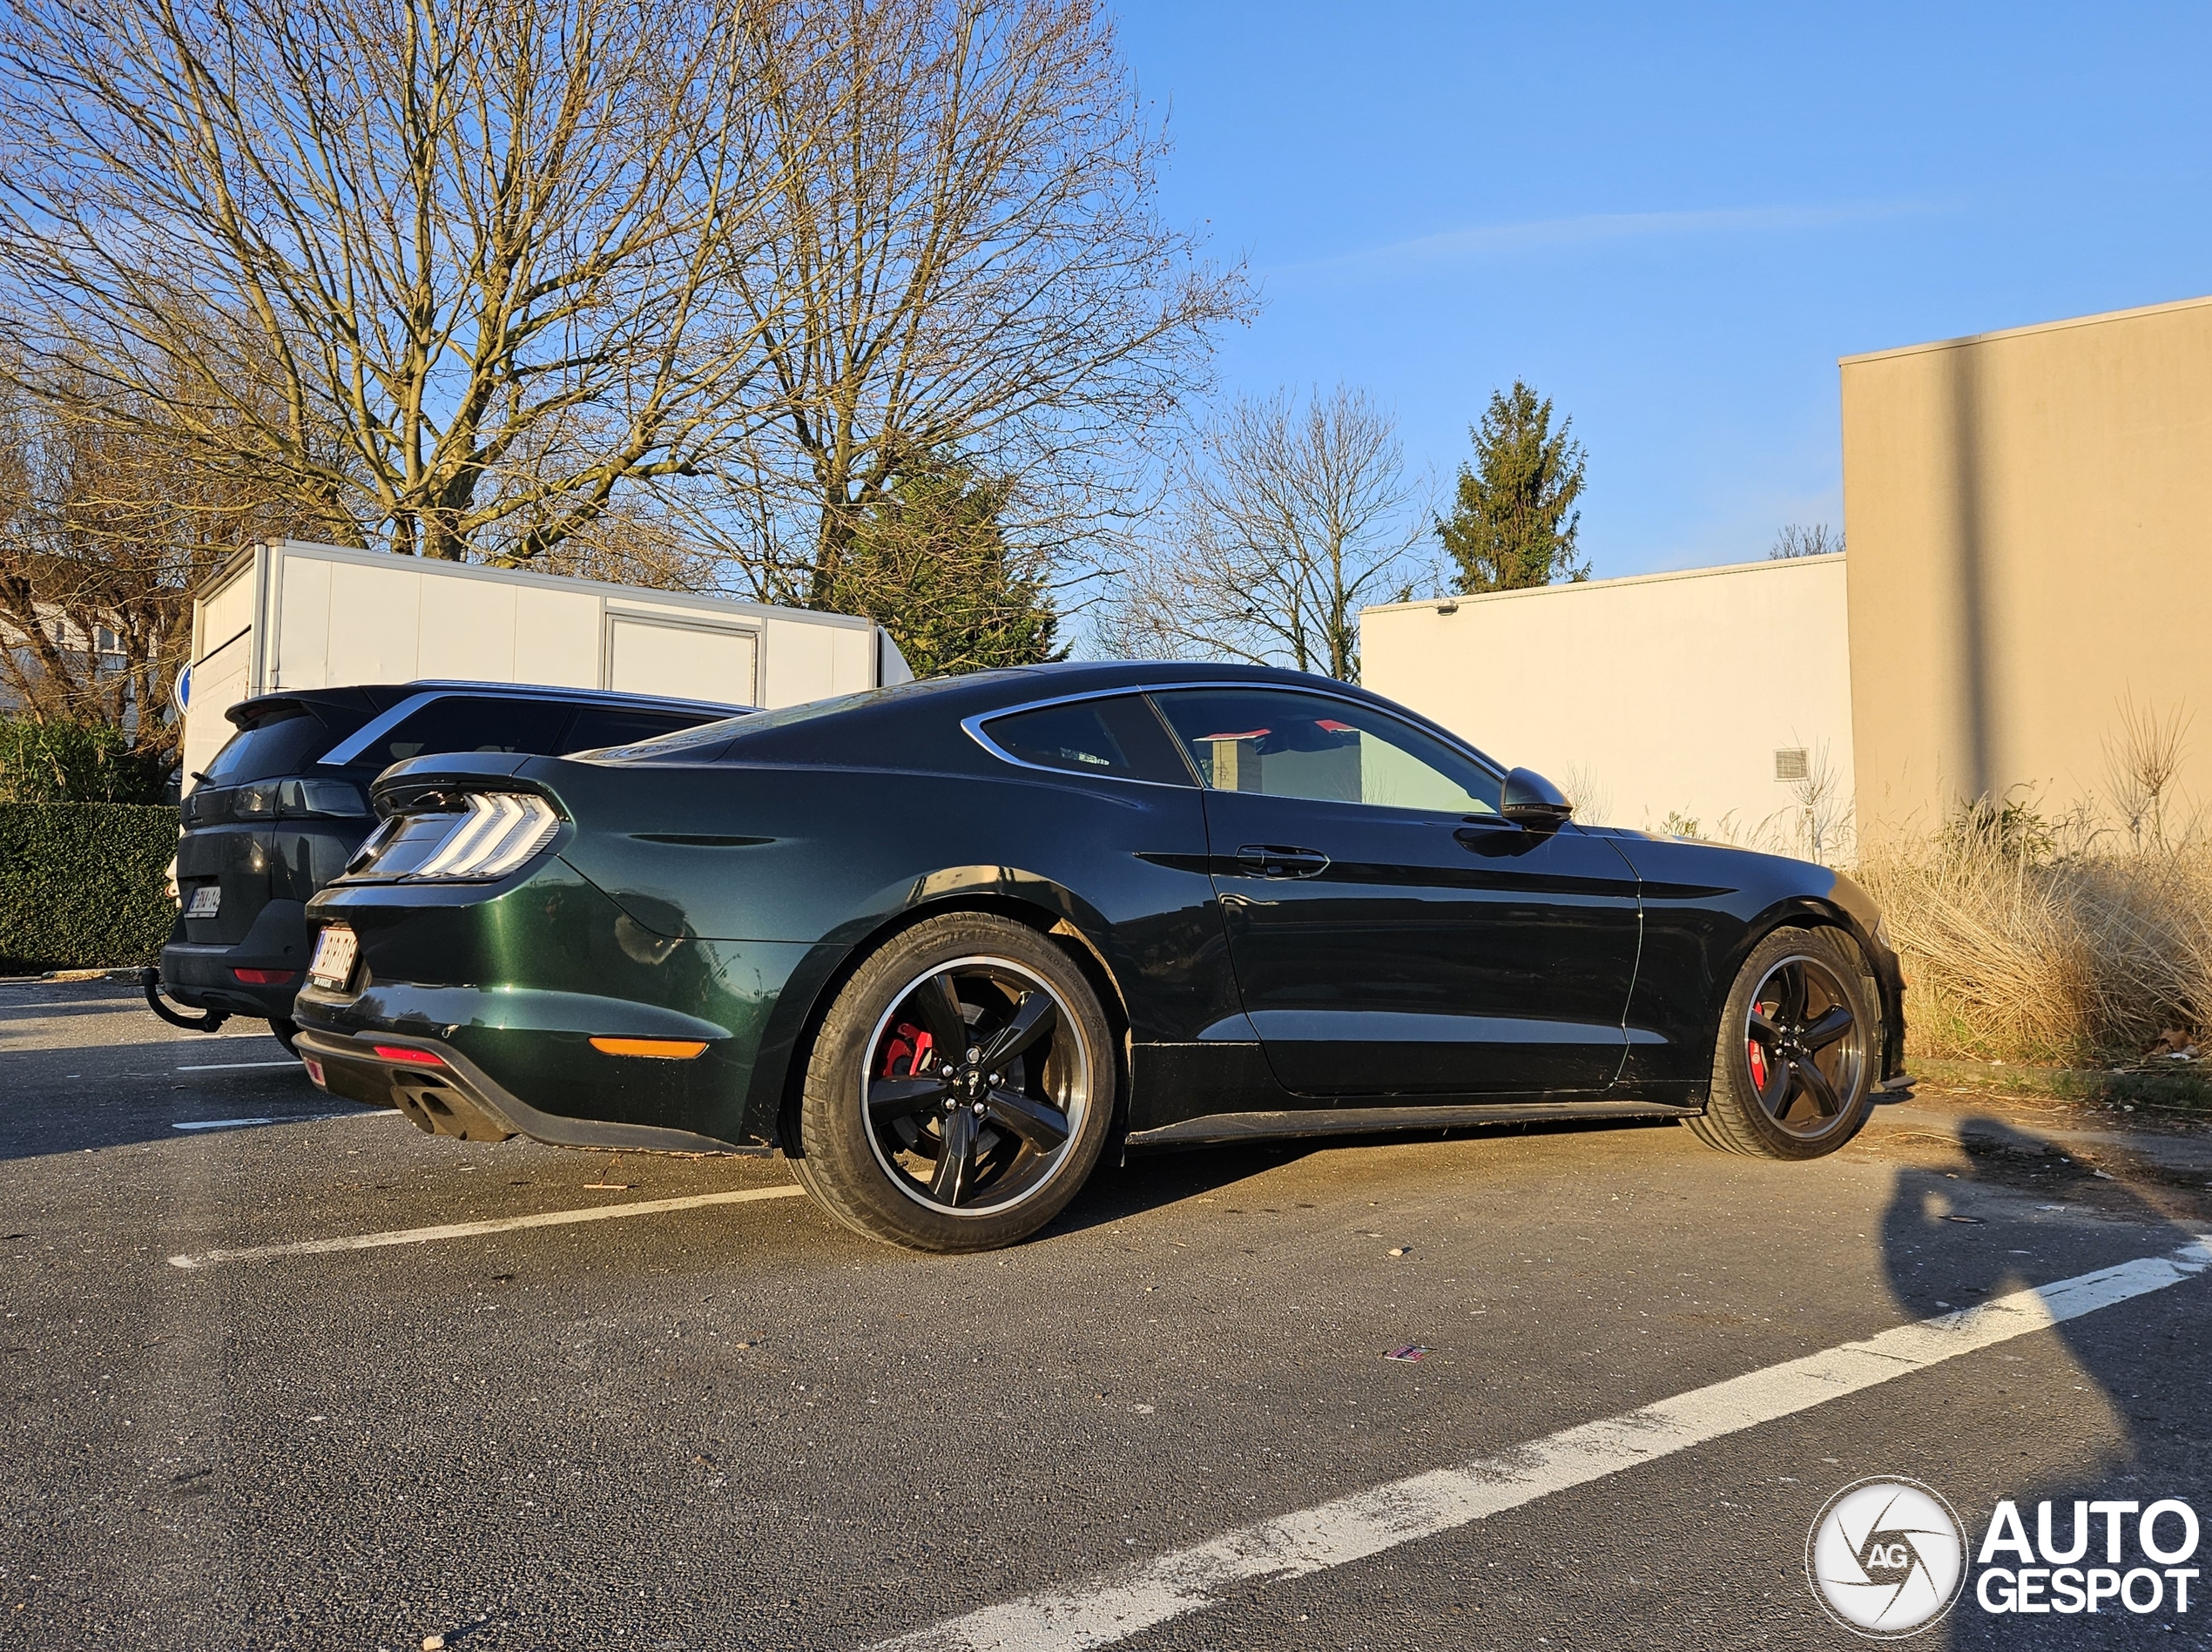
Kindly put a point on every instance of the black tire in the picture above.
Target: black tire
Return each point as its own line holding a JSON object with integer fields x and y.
{"x": 284, "y": 1032}
{"x": 899, "y": 1148}
{"x": 1795, "y": 1082}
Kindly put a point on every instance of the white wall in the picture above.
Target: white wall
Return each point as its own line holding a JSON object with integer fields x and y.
{"x": 1667, "y": 693}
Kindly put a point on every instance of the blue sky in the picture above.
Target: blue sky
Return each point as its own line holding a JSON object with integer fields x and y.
{"x": 1673, "y": 221}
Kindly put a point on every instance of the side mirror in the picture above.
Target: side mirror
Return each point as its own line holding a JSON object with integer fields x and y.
{"x": 1533, "y": 803}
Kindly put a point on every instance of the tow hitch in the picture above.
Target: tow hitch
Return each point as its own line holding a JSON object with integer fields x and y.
{"x": 206, "y": 1022}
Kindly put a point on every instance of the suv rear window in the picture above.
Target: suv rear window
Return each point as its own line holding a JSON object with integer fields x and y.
{"x": 597, "y": 726}
{"x": 280, "y": 741}
{"x": 457, "y": 723}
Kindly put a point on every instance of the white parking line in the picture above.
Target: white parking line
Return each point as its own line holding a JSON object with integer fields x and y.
{"x": 291, "y": 1119}
{"x": 495, "y": 1224}
{"x": 1125, "y": 1601}
{"x": 132, "y": 1046}
{"x": 235, "y": 1067}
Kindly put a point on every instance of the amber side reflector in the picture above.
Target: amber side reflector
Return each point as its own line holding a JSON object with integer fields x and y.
{"x": 408, "y": 1058}
{"x": 668, "y": 1050}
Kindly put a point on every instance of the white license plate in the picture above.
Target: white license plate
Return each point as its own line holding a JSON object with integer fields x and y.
{"x": 334, "y": 964}
{"x": 207, "y": 902}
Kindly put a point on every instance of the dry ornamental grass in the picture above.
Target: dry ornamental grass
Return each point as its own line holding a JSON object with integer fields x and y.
{"x": 2021, "y": 947}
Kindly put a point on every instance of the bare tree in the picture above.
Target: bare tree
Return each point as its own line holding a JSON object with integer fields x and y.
{"x": 104, "y": 532}
{"x": 1798, "y": 540}
{"x": 635, "y": 542}
{"x": 1293, "y": 518}
{"x": 964, "y": 256}
{"x": 438, "y": 269}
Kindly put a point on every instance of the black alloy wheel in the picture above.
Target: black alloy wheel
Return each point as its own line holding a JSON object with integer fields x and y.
{"x": 961, "y": 1088}
{"x": 1804, "y": 1047}
{"x": 1793, "y": 1067}
{"x": 974, "y": 1088}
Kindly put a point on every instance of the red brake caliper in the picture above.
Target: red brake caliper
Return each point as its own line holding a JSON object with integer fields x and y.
{"x": 1757, "y": 1053}
{"x": 908, "y": 1043}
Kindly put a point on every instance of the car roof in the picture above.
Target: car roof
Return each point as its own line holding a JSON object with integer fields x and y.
{"x": 379, "y": 697}
{"x": 1011, "y": 686}
{"x": 921, "y": 723}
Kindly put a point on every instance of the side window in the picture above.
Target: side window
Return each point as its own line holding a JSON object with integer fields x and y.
{"x": 458, "y": 723}
{"x": 597, "y": 727}
{"x": 1287, "y": 744}
{"x": 1119, "y": 737}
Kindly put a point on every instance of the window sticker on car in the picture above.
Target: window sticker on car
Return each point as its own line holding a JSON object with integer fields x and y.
{"x": 207, "y": 902}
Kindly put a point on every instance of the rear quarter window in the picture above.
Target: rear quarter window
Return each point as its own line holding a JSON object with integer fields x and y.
{"x": 1118, "y": 736}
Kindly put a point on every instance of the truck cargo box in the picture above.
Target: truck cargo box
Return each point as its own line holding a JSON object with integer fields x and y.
{"x": 290, "y": 615}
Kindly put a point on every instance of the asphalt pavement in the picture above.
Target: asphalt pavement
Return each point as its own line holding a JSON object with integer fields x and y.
{"x": 284, "y": 1373}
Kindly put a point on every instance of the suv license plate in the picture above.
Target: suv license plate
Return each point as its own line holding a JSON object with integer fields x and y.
{"x": 334, "y": 964}
{"x": 207, "y": 902}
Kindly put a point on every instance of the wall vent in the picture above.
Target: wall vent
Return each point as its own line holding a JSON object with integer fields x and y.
{"x": 1791, "y": 764}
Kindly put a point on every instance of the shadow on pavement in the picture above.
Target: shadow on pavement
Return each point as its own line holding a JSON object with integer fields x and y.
{"x": 58, "y": 1117}
{"x": 1941, "y": 1251}
{"x": 1155, "y": 1177}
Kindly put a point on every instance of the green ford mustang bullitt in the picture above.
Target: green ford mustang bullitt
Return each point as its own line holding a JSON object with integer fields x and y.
{"x": 939, "y": 944}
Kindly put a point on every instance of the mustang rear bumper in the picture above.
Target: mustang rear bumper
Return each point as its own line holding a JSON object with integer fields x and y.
{"x": 446, "y": 1094}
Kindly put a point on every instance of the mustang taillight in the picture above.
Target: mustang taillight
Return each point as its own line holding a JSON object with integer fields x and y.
{"x": 492, "y": 834}
{"x": 501, "y": 831}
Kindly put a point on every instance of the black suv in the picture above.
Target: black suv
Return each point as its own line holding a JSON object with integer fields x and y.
{"x": 285, "y": 804}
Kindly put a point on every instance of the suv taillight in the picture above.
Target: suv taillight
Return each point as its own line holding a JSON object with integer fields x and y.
{"x": 278, "y": 801}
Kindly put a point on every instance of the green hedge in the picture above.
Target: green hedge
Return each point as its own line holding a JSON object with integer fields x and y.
{"x": 75, "y": 763}
{"x": 81, "y": 885}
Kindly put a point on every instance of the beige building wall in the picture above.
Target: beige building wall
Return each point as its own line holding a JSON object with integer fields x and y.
{"x": 1658, "y": 695}
{"x": 2030, "y": 521}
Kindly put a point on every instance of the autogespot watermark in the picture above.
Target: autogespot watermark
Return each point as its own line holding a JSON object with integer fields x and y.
{"x": 2047, "y": 1580}
{"x": 1888, "y": 1557}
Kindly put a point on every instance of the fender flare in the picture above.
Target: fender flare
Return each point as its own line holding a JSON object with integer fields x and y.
{"x": 1812, "y": 912}
{"x": 780, "y": 1067}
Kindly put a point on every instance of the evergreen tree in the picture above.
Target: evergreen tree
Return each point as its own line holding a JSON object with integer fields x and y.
{"x": 929, "y": 561}
{"x": 1514, "y": 521}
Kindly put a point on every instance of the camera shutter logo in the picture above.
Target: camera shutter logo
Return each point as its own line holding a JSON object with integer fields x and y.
{"x": 1886, "y": 1558}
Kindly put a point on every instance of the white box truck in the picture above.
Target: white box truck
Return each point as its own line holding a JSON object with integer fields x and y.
{"x": 290, "y": 615}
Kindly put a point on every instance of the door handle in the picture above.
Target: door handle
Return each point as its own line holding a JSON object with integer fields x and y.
{"x": 1280, "y": 861}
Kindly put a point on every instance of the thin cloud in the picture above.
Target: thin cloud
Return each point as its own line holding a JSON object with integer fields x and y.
{"x": 1493, "y": 240}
